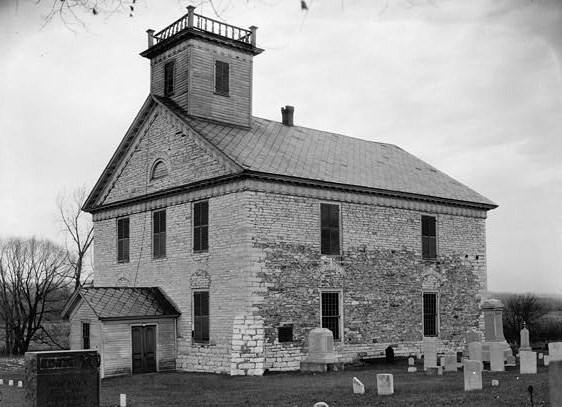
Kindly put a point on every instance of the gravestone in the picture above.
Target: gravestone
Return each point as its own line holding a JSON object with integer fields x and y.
{"x": 434, "y": 371}
{"x": 385, "y": 384}
{"x": 450, "y": 362}
{"x": 412, "y": 369}
{"x": 321, "y": 356}
{"x": 320, "y": 404}
{"x": 475, "y": 351}
{"x": 555, "y": 373}
{"x": 472, "y": 375}
{"x": 10, "y": 382}
{"x": 411, "y": 361}
{"x": 496, "y": 357}
{"x": 525, "y": 344}
{"x": 493, "y": 328}
{"x": 510, "y": 361}
{"x": 429, "y": 354}
{"x": 495, "y": 383}
{"x": 527, "y": 362}
{"x": 546, "y": 360}
{"x": 62, "y": 378}
{"x": 541, "y": 356}
{"x": 358, "y": 387}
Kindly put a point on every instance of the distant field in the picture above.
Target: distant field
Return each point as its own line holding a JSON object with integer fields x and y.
{"x": 293, "y": 389}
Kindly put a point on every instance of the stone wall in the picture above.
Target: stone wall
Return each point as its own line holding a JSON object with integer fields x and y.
{"x": 222, "y": 271}
{"x": 380, "y": 275}
{"x": 247, "y": 346}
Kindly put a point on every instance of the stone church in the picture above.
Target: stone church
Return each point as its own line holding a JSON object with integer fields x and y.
{"x": 222, "y": 239}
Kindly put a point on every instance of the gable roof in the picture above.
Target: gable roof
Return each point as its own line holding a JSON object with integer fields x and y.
{"x": 112, "y": 303}
{"x": 272, "y": 148}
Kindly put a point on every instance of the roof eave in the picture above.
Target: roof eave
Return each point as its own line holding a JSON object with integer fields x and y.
{"x": 139, "y": 317}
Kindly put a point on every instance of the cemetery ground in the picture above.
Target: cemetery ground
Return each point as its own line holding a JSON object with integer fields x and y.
{"x": 293, "y": 389}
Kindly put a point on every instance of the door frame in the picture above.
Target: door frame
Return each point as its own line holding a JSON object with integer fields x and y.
{"x": 155, "y": 325}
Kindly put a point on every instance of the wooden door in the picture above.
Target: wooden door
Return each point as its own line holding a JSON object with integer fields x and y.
{"x": 144, "y": 348}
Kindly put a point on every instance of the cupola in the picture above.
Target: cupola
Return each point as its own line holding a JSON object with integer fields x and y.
{"x": 205, "y": 67}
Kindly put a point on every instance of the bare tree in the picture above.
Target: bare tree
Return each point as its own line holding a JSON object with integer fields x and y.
{"x": 78, "y": 229}
{"x": 519, "y": 308}
{"x": 33, "y": 273}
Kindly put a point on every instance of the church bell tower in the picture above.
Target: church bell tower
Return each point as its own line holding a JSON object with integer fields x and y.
{"x": 205, "y": 67}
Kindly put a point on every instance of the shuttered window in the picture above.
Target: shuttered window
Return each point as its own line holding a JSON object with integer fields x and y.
{"x": 159, "y": 170}
{"x": 201, "y": 226}
{"x": 331, "y": 317}
{"x": 201, "y": 316}
{"x": 169, "y": 78}
{"x": 123, "y": 240}
{"x": 329, "y": 229}
{"x": 430, "y": 315}
{"x": 85, "y": 335}
{"x": 429, "y": 238}
{"x": 159, "y": 234}
{"x": 222, "y": 80}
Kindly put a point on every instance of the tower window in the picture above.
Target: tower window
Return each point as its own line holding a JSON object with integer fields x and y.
{"x": 222, "y": 82}
{"x": 169, "y": 78}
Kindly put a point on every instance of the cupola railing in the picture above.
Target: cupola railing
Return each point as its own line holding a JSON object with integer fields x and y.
{"x": 206, "y": 24}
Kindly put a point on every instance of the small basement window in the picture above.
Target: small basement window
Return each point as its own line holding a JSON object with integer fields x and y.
{"x": 285, "y": 333}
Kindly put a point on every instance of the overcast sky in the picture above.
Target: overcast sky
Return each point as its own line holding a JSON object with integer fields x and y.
{"x": 472, "y": 87}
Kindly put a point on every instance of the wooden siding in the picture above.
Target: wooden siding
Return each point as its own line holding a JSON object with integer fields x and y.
{"x": 117, "y": 351}
{"x": 83, "y": 313}
{"x": 235, "y": 108}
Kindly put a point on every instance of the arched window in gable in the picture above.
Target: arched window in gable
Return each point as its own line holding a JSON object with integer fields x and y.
{"x": 159, "y": 170}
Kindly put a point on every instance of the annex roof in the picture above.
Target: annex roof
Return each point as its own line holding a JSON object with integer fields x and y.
{"x": 112, "y": 303}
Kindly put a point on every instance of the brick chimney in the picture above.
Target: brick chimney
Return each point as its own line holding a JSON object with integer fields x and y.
{"x": 287, "y": 113}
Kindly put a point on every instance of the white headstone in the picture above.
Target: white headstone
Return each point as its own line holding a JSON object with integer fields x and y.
{"x": 450, "y": 362}
{"x": 472, "y": 375}
{"x": 496, "y": 357}
{"x": 412, "y": 369}
{"x": 555, "y": 373}
{"x": 475, "y": 351}
{"x": 122, "y": 400}
{"x": 546, "y": 360}
{"x": 411, "y": 361}
{"x": 527, "y": 362}
{"x": 321, "y": 404}
{"x": 1, "y": 381}
{"x": 385, "y": 384}
{"x": 20, "y": 384}
{"x": 358, "y": 387}
{"x": 495, "y": 383}
{"x": 541, "y": 356}
{"x": 10, "y": 382}
{"x": 429, "y": 354}
{"x": 442, "y": 361}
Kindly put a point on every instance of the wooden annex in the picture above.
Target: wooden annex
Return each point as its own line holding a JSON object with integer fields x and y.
{"x": 133, "y": 329}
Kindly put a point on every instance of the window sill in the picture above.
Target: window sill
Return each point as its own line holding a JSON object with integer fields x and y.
{"x": 202, "y": 344}
{"x": 226, "y": 95}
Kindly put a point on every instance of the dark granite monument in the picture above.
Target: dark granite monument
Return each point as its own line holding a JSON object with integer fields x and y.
{"x": 62, "y": 379}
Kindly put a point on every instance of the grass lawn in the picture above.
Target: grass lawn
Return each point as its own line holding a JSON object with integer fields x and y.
{"x": 294, "y": 389}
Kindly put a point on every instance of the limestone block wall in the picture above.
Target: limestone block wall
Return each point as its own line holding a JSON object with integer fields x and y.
{"x": 247, "y": 356}
{"x": 380, "y": 275}
{"x": 223, "y": 270}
